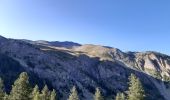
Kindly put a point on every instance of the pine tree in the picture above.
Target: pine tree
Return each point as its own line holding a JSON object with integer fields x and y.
{"x": 45, "y": 93}
{"x": 37, "y": 96}
{"x": 6, "y": 97}
{"x": 136, "y": 91}
{"x": 98, "y": 95}
{"x": 35, "y": 93}
{"x": 21, "y": 89}
{"x": 120, "y": 96}
{"x": 2, "y": 94}
{"x": 53, "y": 95}
{"x": 73, "y": 94}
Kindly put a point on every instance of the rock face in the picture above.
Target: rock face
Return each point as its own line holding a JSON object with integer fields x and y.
{"x": 63, "y": 65}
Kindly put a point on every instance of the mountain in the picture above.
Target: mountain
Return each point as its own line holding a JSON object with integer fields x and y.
{"x": 65, "y": 44}
{"x": 62, "y": 65}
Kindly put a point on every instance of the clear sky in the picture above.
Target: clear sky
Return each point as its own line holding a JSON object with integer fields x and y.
{"x": 130, "y": 25}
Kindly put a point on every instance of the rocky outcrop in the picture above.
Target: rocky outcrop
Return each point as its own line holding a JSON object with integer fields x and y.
{"x": 147, "y": 61}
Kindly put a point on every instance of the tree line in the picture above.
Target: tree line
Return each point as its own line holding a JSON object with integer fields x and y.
{"x": 21, "y": 90}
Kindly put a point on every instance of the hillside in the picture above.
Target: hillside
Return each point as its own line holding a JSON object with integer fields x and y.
{"x": 62, "y": 65}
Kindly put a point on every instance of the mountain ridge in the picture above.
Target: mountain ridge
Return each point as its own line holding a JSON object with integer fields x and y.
{"x": 89, "y": 66}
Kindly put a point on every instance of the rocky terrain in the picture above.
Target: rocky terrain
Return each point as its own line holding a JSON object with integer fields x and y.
{"x": 62, "y": 65}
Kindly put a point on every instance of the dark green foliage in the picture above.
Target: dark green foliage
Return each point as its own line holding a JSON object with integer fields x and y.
{"x": 21, "y": 89}
{"x": 53, "y": 95}
{"x": 45, "y": 93}
{"x": 120, "y": 96}
{"x": 35, "y": 93}
{"x": 6, "y": 97}
{"x": 73, "y": 94}
{"x": 136, "y": 91}
{"x": 9, "y": 70}
{"x": 2, "y": 94}
{"x": 98, "y": 95}
{"x": 37, "y": 97}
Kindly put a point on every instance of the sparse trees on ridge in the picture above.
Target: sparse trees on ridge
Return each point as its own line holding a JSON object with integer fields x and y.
{"x": 35, "y": 93}
{"x": 73, "y": 94}
{"x": 53, "y": 95}
{"x": 120, "y": 96}
{"x": 2, "y": 93}
{"x": 98, "y": 95}
{"x": 21, "y": 90}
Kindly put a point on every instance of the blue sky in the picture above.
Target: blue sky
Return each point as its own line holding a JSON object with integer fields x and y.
{"x": 130, "y": 25}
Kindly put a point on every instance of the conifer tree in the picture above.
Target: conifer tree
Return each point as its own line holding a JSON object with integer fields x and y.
{"x": 21, "y": 89}
{"x": 6, "y": 97}
{"x": 35, "y": 93}
{"x": 98, "y": 95}
{"x": 45, "y": 93}
{"x": 120, "y": 96}
{"x": 136, "y": 91}
{"x": 73, "y": 94}
{"x": 2, "y": 94}
{"x": 37, "y": 97}
{"x": 53, "y": 95}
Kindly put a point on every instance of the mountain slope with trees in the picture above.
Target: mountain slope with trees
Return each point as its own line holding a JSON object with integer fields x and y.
{"x": 22, "y": 90}
{"x": 84, "y": 66}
